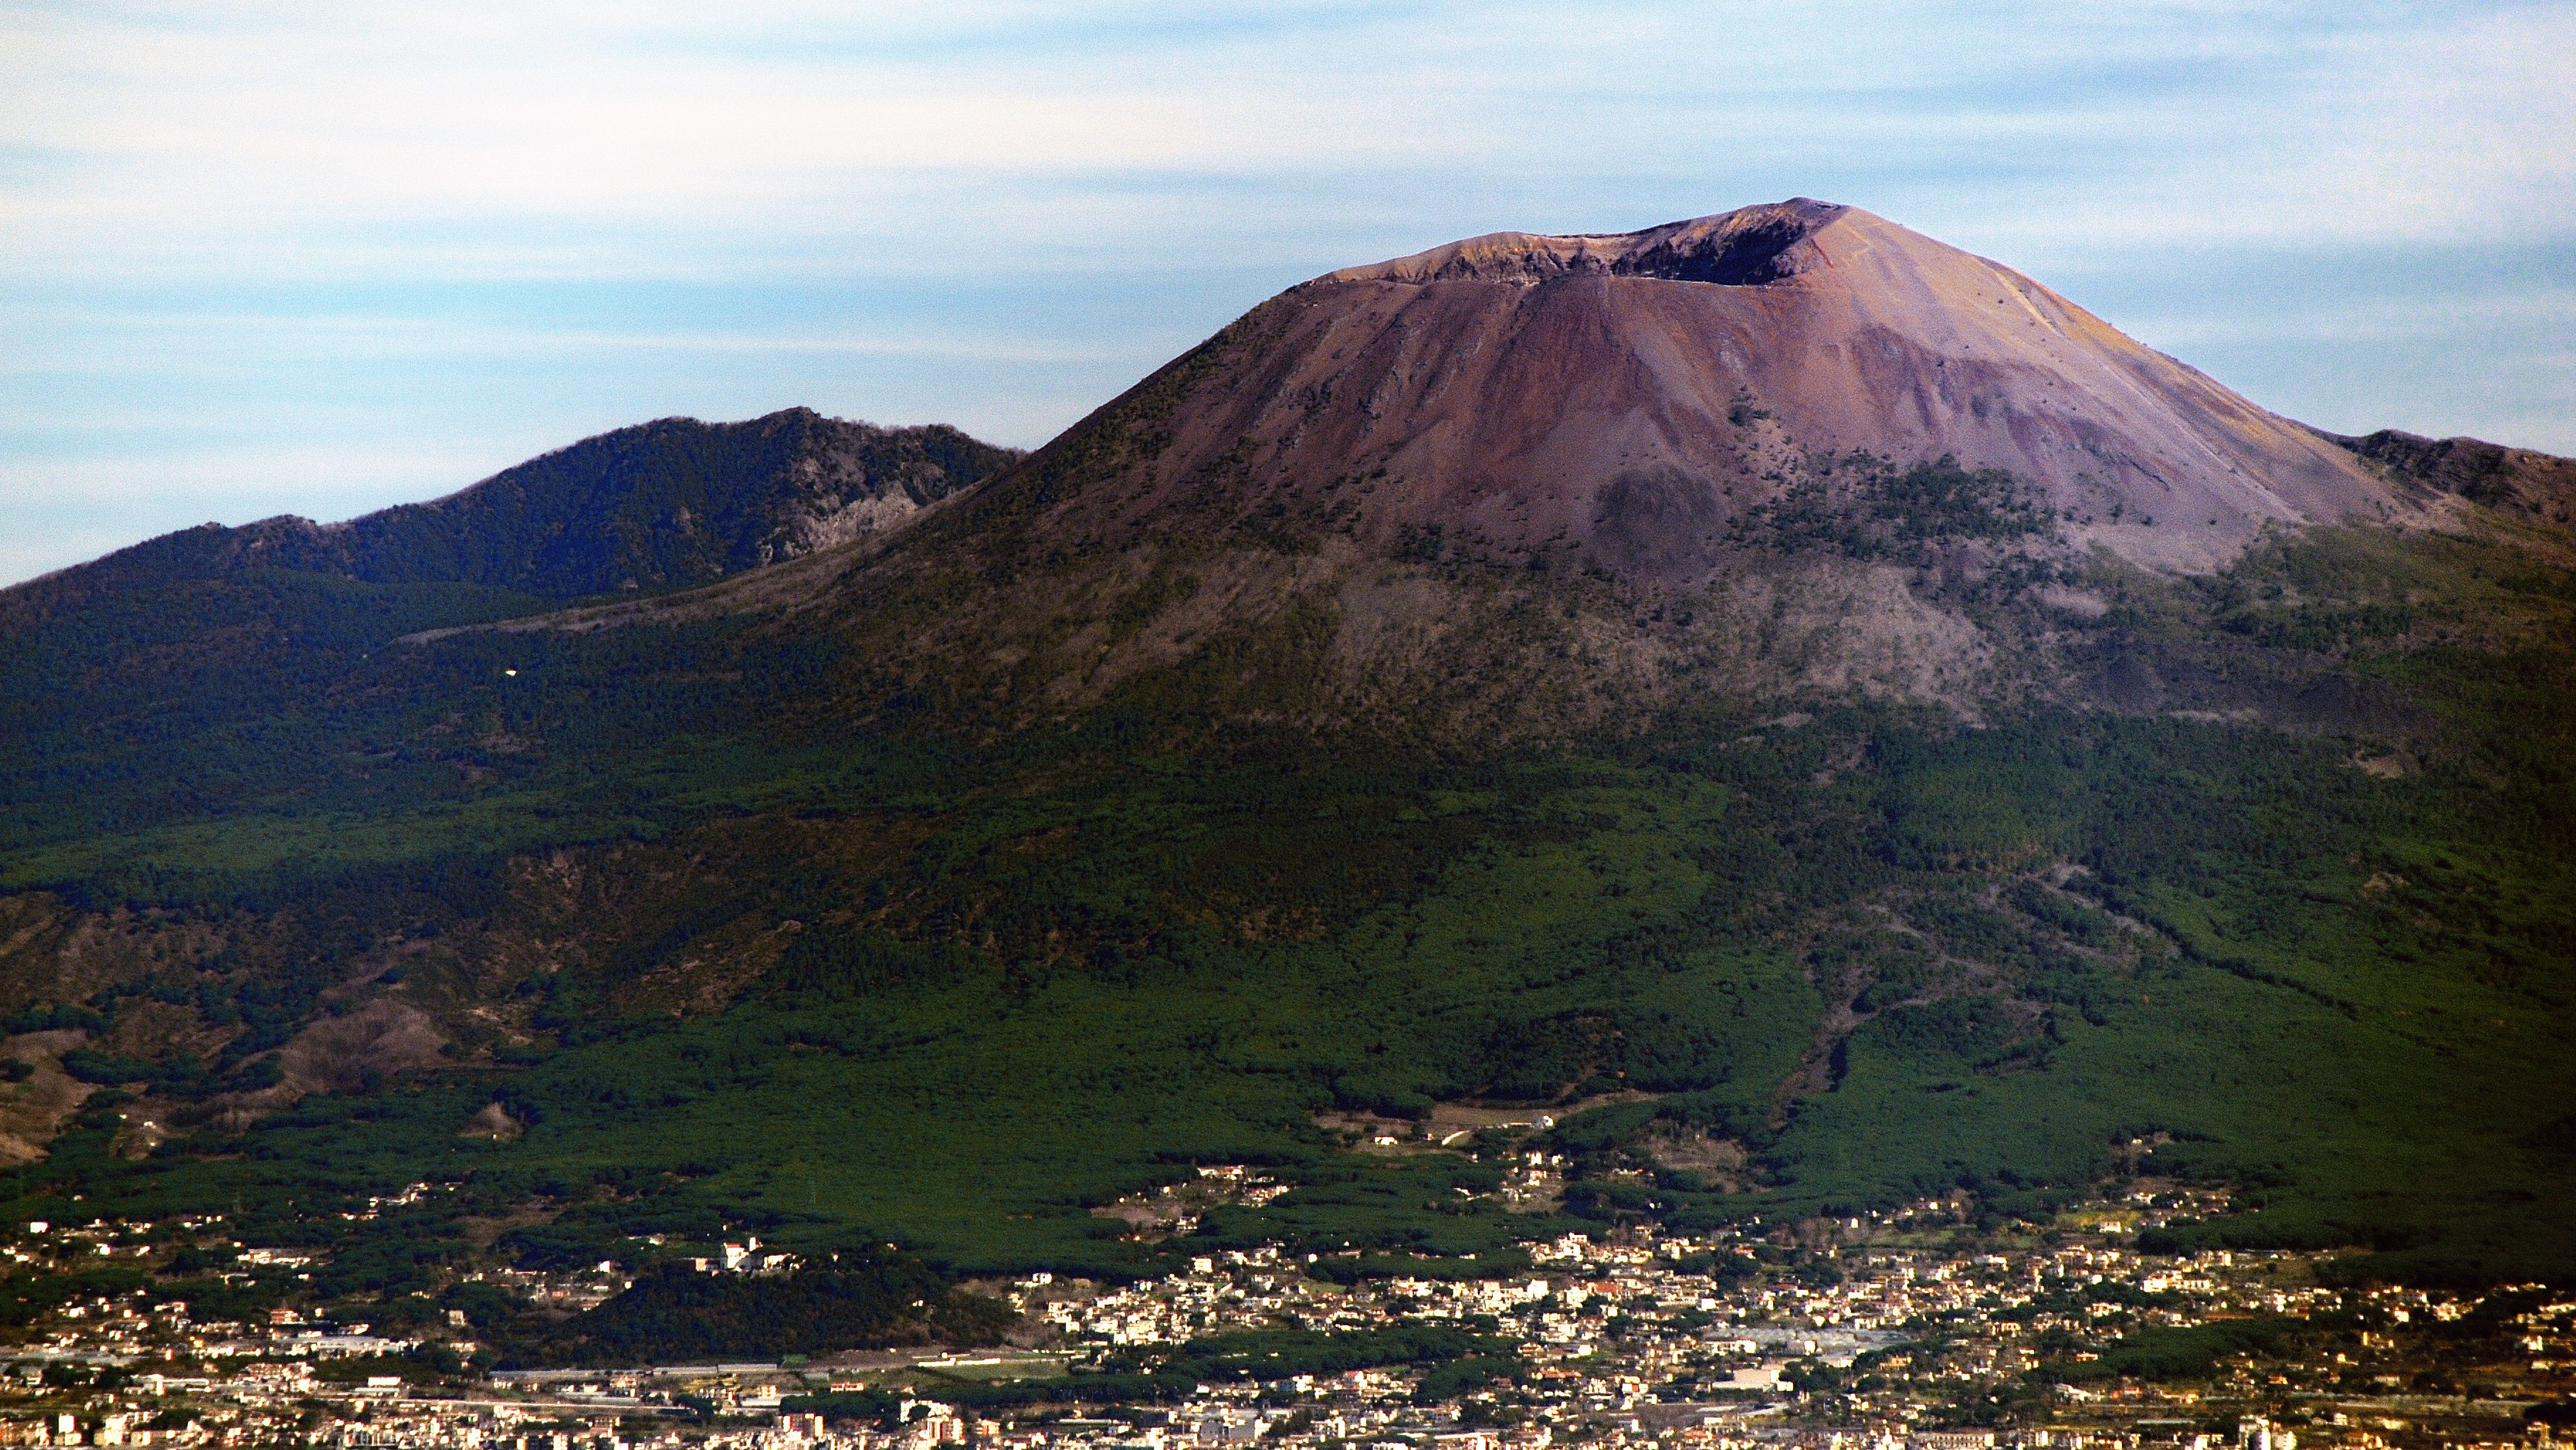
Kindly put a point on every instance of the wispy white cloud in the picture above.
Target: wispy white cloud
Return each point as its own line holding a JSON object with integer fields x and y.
{"x": 262, "y": 136}
{"x": 315, "y": 482}
{"x": 58, "y": 511}
{"x": 2544, "y": 312}
{"x": 112, "y": 338}
{"x": 346, "y": 164}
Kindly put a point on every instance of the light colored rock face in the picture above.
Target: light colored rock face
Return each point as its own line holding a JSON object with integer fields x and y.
{"x": 848, "y": 480}
{"x": 1593, "y": 390}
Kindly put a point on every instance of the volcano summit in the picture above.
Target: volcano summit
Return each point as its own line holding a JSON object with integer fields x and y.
{"x": 1634, "y": 394}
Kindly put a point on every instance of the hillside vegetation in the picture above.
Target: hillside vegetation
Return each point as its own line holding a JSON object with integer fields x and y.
{"x": 726, "y": 960}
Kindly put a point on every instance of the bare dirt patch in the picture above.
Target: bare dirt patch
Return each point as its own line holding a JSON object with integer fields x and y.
{"x": 1719, "y": 1162}
{"x": 358, "y": 1051}
{"x": 32, "y": 1111}
{"x": 484, "y": 1231}
{"x": 1175, "y": 1208}
{"x": 1454, "y": 1124}
{"x": 495, "y": 1123}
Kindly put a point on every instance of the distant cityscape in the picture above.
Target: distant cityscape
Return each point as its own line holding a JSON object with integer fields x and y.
{"x": 1897, "y": 1331}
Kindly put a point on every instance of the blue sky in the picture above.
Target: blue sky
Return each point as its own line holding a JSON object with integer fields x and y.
{"x": 261, "y": 258}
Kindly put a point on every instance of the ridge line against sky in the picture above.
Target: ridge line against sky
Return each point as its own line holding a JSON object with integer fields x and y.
{"x": 266, "y": 258}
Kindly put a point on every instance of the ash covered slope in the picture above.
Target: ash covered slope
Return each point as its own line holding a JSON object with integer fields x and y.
{"x": 1632, "y": 394}
{"x": 661, "y": 504}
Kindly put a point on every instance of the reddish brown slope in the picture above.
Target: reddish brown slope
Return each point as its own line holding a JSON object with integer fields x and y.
{"x": 1611, "y": 392}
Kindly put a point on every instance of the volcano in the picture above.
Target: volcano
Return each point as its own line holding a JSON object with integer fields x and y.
{"x": 1789, "y": 451}
{"x": 1631, "y": 395}
{"x": 1821, "y": 716}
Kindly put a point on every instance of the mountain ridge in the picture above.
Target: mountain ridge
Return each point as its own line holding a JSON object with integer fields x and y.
{"x": 2539, "y": 488}
{"x": 655, "y": 505}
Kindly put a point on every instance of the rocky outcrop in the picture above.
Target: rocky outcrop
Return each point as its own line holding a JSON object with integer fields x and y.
{"x": 2536, "y": 487}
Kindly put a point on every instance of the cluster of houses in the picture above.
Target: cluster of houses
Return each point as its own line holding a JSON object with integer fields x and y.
{"x": 1854, "y": 1334}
